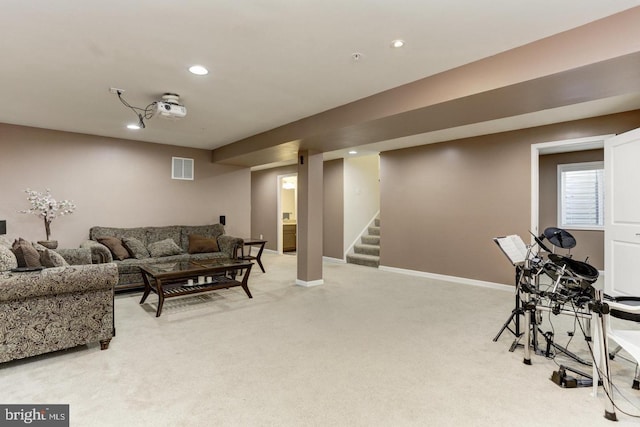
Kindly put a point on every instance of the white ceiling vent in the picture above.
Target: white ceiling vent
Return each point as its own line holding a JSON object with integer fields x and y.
{"x": 181, "y": 168}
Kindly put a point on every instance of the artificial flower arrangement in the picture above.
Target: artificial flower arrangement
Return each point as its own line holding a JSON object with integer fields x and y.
{"x": 48, "y": 208}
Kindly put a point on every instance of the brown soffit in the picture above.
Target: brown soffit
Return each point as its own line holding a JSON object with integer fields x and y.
{"x": 587, "y": 83}
{"x": 586, "y": 63}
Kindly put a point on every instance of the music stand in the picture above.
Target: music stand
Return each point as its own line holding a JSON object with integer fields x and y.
{"x": 517, "y": 252}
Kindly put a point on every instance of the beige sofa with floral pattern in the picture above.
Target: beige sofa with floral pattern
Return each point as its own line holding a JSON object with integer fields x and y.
{"x": 55, "y": 309}
{"x": 130, "y": 275}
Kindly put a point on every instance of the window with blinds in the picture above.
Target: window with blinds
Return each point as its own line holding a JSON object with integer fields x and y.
{"x": 581, "y": 195}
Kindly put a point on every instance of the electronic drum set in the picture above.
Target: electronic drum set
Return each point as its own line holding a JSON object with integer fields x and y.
{"x": 570, "y": 276}
{"x": 572, "y": 280}
{"x": 571, "y": 292}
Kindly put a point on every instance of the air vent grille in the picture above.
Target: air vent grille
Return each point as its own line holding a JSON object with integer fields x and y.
{"x": 182, "y": 168}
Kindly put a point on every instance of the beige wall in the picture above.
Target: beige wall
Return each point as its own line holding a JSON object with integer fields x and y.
{"x": 264, "y": 218}
{"x": 441, "y": 204}
{"x": 589, "y": 243}
{"x": 264, "y": 203}
{"x": 288, "y": 200}
{"x": 113, "y": 182}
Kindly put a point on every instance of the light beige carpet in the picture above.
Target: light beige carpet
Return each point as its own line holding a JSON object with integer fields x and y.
{"x": 367, "y": 348}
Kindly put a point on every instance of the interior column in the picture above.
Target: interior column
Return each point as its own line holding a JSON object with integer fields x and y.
{"x": 309, "y": 248}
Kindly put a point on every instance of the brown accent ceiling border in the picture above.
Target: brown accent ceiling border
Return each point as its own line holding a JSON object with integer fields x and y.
{"x": 605, "y": 79}
{"x": 591, "y": 62}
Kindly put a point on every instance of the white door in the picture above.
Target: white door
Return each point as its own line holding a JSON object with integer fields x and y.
{"x": 622, "y": 214}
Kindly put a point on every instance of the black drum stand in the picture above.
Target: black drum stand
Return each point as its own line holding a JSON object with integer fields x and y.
{"x": 515, "y": 314}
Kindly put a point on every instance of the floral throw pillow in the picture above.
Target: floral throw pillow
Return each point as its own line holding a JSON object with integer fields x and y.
{"x": 135, "y": 247}
{"x": 38, "y": 247}
{"x": 164, "y": 247}
{"x": 50, "y": 258}
{"x": 8, "y": 260}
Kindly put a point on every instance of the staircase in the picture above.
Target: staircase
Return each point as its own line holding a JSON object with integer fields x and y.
{"x": 368, "y": 252}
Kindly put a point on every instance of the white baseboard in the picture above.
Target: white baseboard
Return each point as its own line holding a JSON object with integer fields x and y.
{"x": 310, "y": 283}
{"x": 324, "y": 258}
{"x": 461, "y": 280}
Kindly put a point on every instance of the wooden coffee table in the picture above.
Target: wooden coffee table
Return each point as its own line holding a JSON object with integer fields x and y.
{"x": 171, "y": 279}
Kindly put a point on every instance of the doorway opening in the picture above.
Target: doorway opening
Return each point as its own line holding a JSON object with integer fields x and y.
{"x": 287, "y": 213}
{"x": 547, "y": 197}
{"x": 555, "y": 147}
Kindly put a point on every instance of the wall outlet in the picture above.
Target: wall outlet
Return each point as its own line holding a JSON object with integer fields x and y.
{"x": 261, "y": 237}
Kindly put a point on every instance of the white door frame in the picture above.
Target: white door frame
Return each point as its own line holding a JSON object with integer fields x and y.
{"x": 279, "y": 208}
{"x": 552, "y": 147}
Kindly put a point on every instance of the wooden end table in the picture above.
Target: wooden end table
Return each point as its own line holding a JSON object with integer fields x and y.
{"x": 171, "y": 279}
{"x": 253, "y": 242}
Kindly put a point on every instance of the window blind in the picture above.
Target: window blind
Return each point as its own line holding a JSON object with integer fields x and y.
{"x": 582, "y": 196}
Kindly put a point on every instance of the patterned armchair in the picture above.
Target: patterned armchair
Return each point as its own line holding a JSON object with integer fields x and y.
{"x": 56, "y": 308}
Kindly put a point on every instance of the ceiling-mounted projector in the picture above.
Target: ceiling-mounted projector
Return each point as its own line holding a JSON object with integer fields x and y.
{"x": 170, "y": 107}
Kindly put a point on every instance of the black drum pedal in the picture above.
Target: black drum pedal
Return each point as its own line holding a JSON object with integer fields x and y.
{"x": 563, "y": 380}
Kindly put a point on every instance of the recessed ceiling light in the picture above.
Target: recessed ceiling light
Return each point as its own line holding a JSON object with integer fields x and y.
{"x": 198, "y": 70}
{"x": 353, "y": 152}
{"x": 133, "y": 126}
{"x": 397, "y": 43}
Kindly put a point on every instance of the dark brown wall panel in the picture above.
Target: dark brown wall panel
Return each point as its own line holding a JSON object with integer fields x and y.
{"x": 333, "y": 238}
